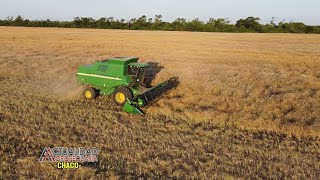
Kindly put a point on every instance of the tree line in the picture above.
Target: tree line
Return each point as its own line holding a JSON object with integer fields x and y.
{"x": 250, "y": 24}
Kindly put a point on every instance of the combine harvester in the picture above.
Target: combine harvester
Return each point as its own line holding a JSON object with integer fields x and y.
{"x": 124, "y": 77}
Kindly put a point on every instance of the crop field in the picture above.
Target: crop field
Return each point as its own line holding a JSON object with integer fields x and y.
{"x": 247, "y": 105}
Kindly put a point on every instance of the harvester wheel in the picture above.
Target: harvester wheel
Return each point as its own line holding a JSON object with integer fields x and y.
{"x": 90, "y": 93}
{"x": 121, "y": 95}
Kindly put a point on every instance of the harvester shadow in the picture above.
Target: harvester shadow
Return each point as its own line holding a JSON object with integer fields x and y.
{"x": 152, "y": 72}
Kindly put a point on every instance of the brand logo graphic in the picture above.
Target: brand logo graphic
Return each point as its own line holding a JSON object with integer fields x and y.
{"x": 69, "y": 157}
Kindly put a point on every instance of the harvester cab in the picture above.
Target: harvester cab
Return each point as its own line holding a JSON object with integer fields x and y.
{"x": 124, "y": 77}
{"x": 137, "y": 71}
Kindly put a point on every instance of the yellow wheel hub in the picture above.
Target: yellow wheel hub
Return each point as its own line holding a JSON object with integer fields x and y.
{"x": 88, "y": 94}
{"x": 120, "y": 97}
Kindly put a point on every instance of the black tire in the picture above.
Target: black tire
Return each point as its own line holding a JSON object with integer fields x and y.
{"x": 90, "y": 93}
{"x": 121, "y": 94}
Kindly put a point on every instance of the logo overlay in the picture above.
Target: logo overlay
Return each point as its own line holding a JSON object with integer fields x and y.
{"x": 69, "y": 157}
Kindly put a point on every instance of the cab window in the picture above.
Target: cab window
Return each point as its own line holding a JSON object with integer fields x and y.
{"x": 132, "y": 70}
{"x": 102, "y": 68}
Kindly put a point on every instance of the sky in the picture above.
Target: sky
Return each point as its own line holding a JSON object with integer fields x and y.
{"x": 306, "y": 11}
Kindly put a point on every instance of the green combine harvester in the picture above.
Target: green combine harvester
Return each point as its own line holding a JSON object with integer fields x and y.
{"x": 124, "y": 77}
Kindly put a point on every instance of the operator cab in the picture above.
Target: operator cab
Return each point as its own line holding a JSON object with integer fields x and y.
{"x": 137, "y": 71}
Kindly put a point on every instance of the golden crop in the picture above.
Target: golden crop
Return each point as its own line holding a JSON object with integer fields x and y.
{"x": 247, "y": 106}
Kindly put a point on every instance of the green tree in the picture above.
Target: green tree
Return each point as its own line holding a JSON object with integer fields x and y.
{"x": 195, "y": 25}
{"x": 294, "y": 27}
{"x": 101, "y": 23}
{"x": 18, "y": 21}
{"x": 272, "y": 22}
{"x": 142, "y": 22}
{"x": 157, "y": 22}
{"x": 77, "y": 22}
{"x": 219, "y": 24}
{"x": 251, "y": 23}
{"x": 179, "y": 24}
